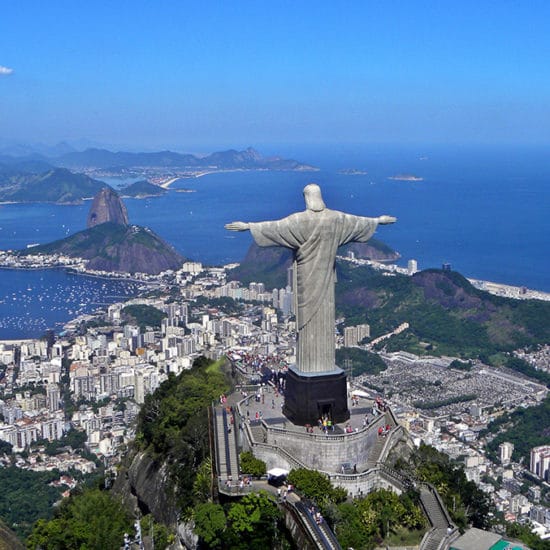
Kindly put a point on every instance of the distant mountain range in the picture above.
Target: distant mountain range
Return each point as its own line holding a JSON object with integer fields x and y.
{"x": 25, "y": 182}
{"x": 223, "y": 160}
{"x": 39, "y": 179}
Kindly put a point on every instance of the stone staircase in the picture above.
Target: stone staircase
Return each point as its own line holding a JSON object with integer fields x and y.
{"x": 375, "y": 453}
{"x": 257, "y": 432}
{"x": 378, "y": 447}
{"x": 226, "y": 443}
{"x": 320, "y": 534}
{"x": 221, "y": 454}
{"x": 438, "y": 519}
{"x": 233, "y": 453}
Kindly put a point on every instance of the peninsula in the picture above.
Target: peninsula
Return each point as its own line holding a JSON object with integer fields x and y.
{"x": 111, "y": 244}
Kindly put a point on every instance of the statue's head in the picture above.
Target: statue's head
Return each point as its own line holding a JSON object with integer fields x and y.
{"x": 313, "y": 197}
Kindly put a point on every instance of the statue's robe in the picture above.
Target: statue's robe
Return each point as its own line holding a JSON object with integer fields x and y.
{"x": 315, "y": 238}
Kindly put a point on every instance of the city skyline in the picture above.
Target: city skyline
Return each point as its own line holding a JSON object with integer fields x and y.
{"x": 209, "y": 76}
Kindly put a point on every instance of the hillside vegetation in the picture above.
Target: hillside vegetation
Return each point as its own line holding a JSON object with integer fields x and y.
{"x": 143, "y": 315}
{"x": 446, "y": 314}
{"x": 114, "y": 247}
{"x": 172, "y": 423}
{"x": 57, "y": 185}
{"x": 8, "y": 540}
{"x": 142, "y": 188}
{"x": 525, "y": 428}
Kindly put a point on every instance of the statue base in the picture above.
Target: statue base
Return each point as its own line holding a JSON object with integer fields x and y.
{"x": 310, "y": 396}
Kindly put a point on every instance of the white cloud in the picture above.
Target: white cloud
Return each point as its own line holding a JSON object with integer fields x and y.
{"x": 5, "y": 70}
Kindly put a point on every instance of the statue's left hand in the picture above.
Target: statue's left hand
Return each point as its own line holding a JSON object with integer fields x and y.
{"x": 385, "y": 220}
{"x": 237, "y": 226}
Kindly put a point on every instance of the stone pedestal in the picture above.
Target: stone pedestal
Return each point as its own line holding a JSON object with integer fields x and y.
{"x": 308, "y": 397}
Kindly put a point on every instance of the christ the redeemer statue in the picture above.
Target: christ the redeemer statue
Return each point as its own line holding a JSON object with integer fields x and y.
{"x": 315, "y": 387}
{"x": 314, "y": 235}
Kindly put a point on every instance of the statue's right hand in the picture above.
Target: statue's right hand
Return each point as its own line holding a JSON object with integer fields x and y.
{"x": 237, "y": 226}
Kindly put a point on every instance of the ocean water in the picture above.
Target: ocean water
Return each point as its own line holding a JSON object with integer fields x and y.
{"x": 32, "y": 301}
{"x": 486, "y": 211}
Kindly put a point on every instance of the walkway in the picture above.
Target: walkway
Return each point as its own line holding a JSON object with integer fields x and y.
{"x": 227, "y": 458}
{"x": 442, "y": 526}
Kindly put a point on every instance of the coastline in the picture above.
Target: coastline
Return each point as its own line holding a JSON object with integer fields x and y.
{"x": 111, "y": 276}
{"x": 143, "y": 282}
{"x": 499, "y": 289}
{"x": 200, "y": 173}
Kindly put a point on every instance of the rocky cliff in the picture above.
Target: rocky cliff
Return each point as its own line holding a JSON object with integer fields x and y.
{"x": 110, "y": 244}
{"x": 143, "y": 483}
{"x": 107, "y": 207}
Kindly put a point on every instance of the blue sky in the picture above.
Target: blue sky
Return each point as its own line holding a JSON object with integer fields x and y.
{"x": 207, "y": 75}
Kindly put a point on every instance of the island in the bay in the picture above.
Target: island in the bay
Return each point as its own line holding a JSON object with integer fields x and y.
{"x": 352, "y": 172}
{"x": 405, "y": 177}
{"x": 111, "y": 244}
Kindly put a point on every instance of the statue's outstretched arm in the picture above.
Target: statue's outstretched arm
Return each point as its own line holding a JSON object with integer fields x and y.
{"x": 385, "y": 220}
{"x": 237, "y": 226}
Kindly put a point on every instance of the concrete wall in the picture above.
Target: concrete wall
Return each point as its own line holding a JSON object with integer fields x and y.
{"x": 320, "y": 452}
{"x": 355, "y": 484}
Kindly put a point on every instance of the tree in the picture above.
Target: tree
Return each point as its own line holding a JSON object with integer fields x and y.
{"x": 251, "y": 465}
{"x": 93, "y": 520}
{"x": 144, "y": 315}
{"x": 17, "y": 509}
{"x": 252, "y": 522}
{"x": 464, "y": 500}
{"x": 203, "y": 482}
{"x": 5, "y": 447}
{"x": 366, "y": 522}
{"x": 316, "y": 486}
{"x": 210, "y": 524}
{"x": 350, "y": 530}
{"x": 523, "y": 533}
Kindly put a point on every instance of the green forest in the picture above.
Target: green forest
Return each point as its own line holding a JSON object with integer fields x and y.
{"x": 446, "y": 314}
{"x": 466, "y": 503}
{"x": 361, "y": 361}
{"x": 143, "y": 315}
{"x": 17, "y": 509}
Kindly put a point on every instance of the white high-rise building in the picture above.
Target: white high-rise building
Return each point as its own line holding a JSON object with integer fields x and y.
{"x": 53, "y": 396}
{"x": 505, "y": 452}
{"x": 412, "y": 267}
{"x": 139, "y": 391}
{"x": 354, "y": 335}
{"x": 540, "y": 461}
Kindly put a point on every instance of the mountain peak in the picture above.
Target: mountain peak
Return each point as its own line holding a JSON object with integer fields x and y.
{"x": 107, "y": 207}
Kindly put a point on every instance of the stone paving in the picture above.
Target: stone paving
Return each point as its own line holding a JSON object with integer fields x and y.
{"x": 265, "y": 403}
